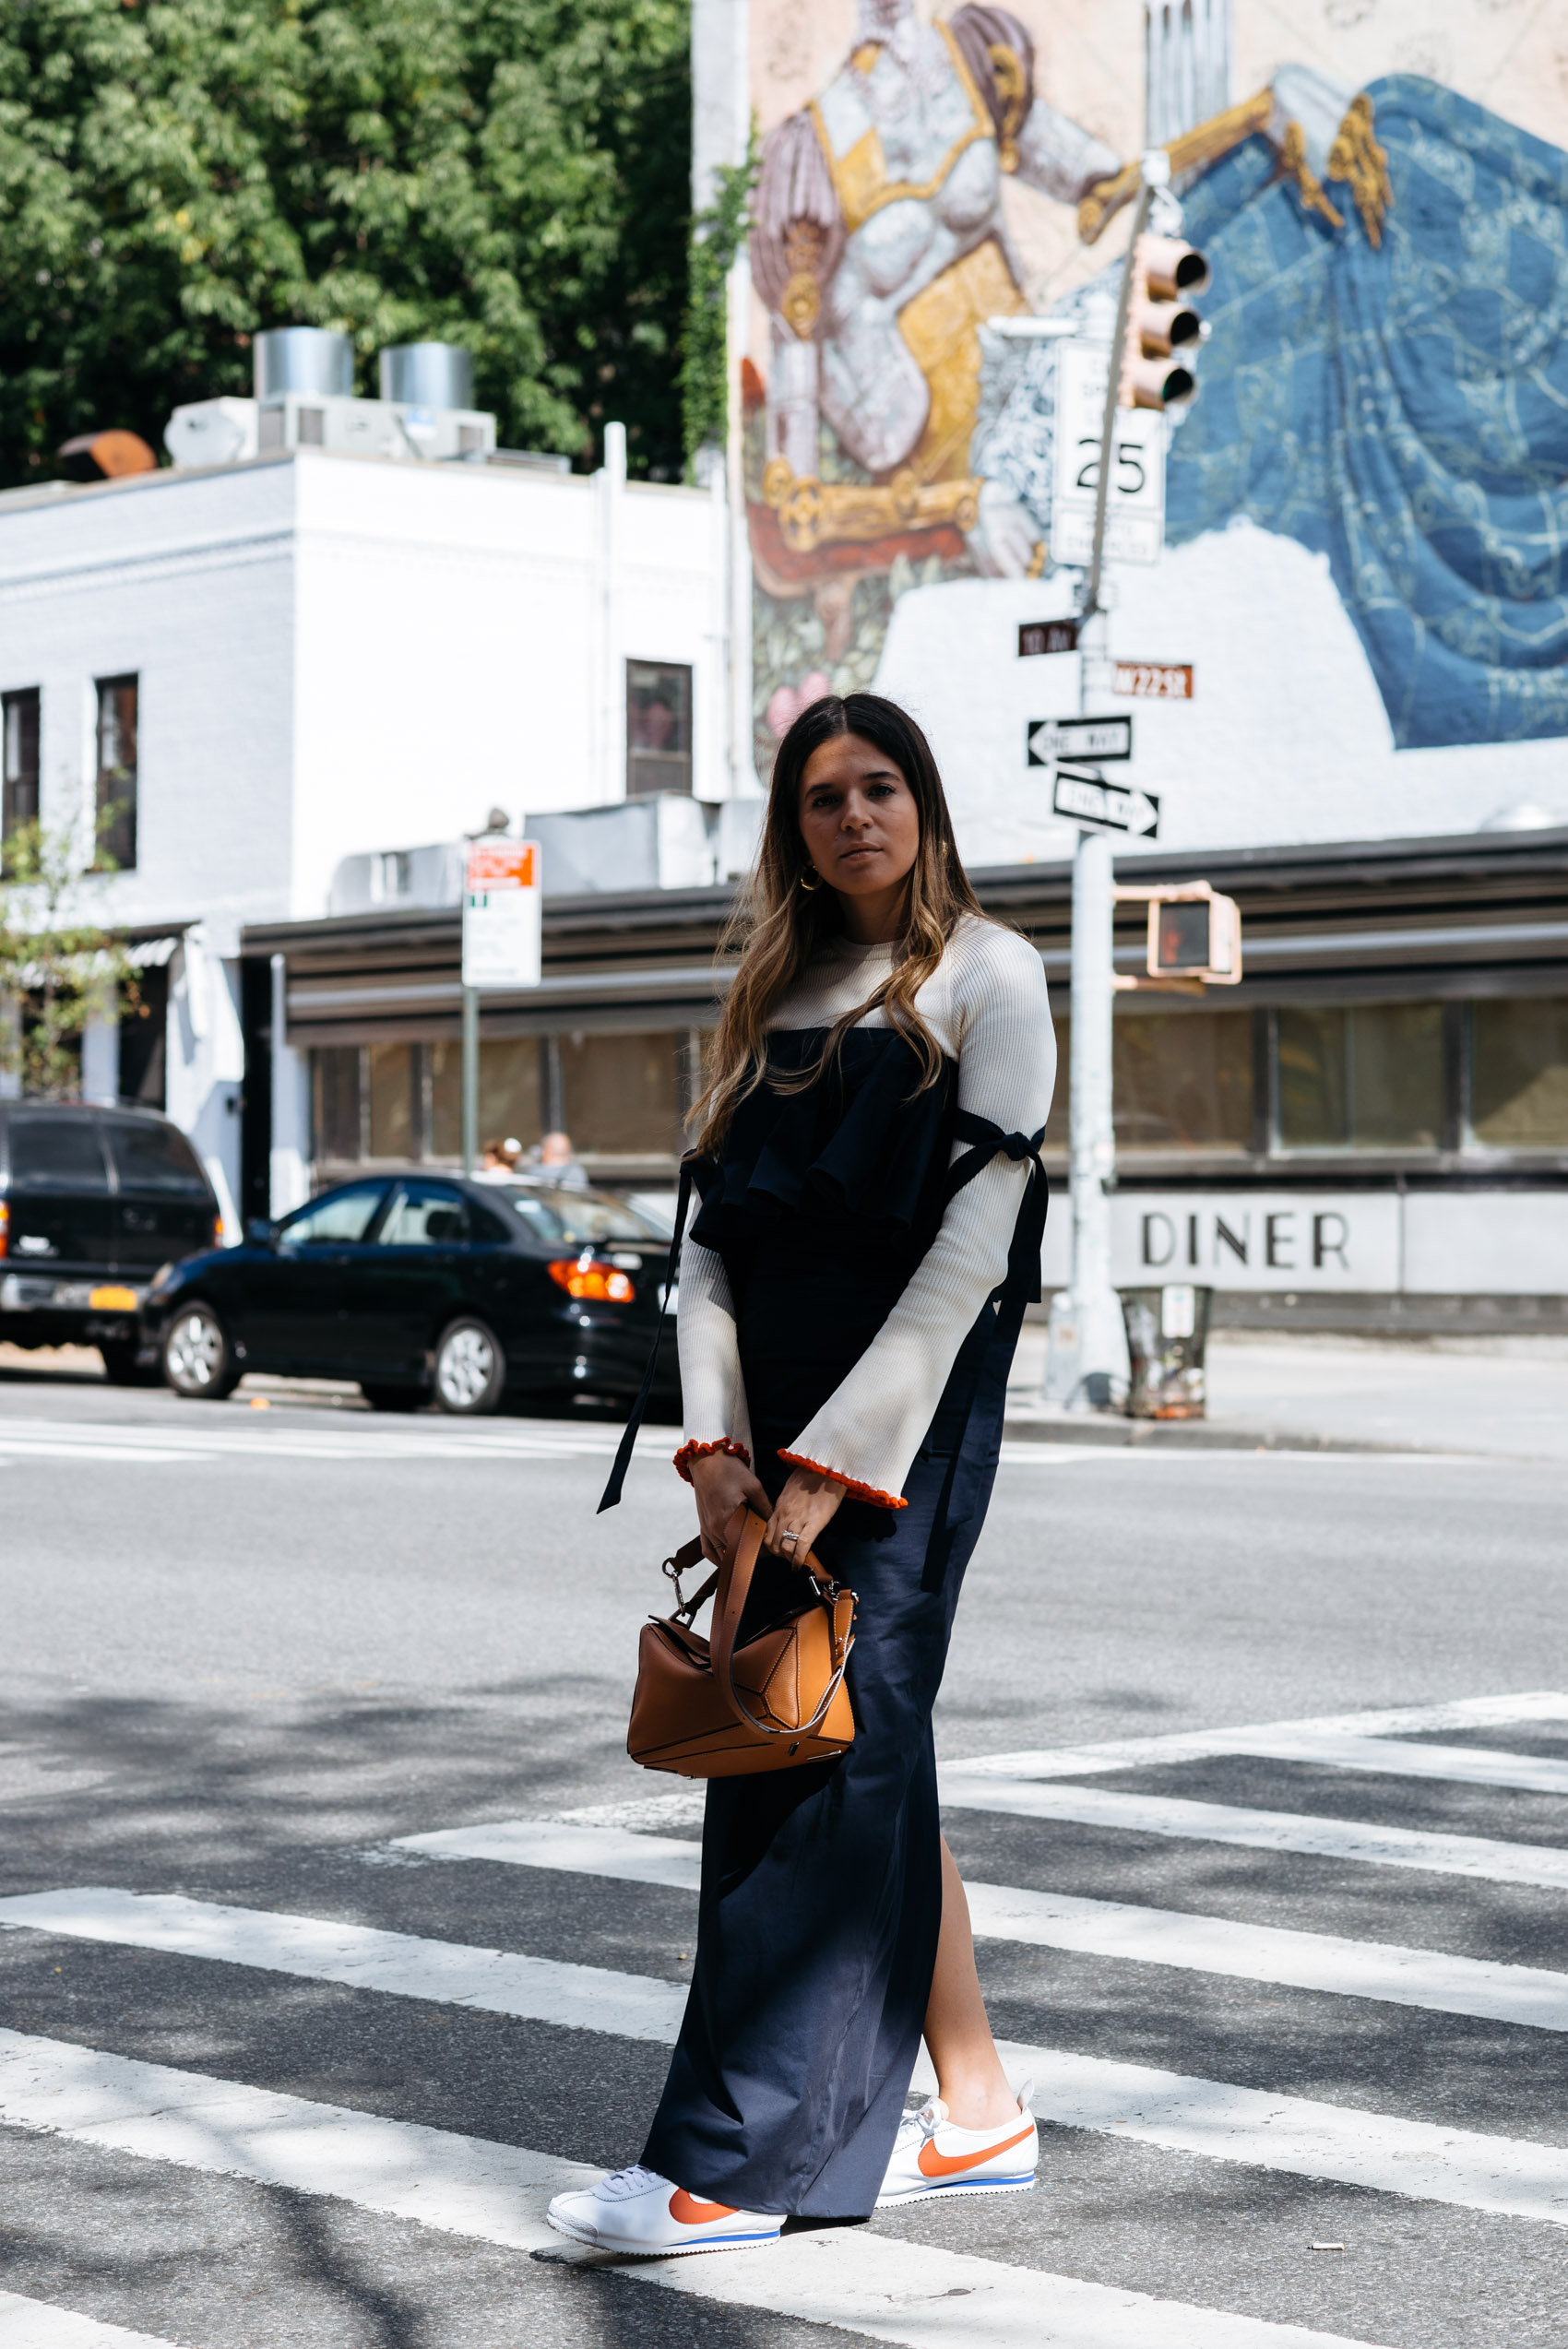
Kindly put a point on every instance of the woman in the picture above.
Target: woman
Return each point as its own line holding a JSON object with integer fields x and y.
{"x": 869, "y": 1233}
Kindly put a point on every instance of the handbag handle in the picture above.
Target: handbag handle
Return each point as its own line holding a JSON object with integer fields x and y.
{"x": 735, "y": 1582}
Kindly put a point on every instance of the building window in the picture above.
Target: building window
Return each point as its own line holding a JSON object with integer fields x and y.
{"x": 21, "y": 728}
{"x": 622, "y": 1094}
{"x": 336, "y": 1104}
{"x": 1182, "y": 1080}
{"x": 117, "y": 805}
{"x": 1519, "y": 1073}
{"x": 1368, "y": 1078}
{"x": 659, "y": 727}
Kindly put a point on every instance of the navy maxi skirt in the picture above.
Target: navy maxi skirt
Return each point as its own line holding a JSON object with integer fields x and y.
{"x": 821, "y": 1886}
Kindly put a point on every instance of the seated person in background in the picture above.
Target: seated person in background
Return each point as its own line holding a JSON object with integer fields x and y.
{"x": 555, "y": 1156}
{"x": 500, "y": 1158}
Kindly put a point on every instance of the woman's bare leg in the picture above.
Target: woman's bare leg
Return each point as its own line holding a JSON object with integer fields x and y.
{"x": 970, "y": 2079}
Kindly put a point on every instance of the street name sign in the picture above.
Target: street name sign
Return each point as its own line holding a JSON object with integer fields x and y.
{"x": 1134, "y": 505}
{"x": 1100, "y": 806}
{"x": 1049, "y": 739}
{"x": 1153, "y": 680}
{"x": 1046, "y": 637}
{"x": 503, "y": 945}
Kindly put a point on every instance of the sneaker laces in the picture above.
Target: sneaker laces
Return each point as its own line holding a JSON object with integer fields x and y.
{"x": 622, "y": 2183}
{"x": 924, "y": 2123}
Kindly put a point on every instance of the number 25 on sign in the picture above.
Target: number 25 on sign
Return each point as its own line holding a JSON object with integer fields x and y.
{"x": 1158, "y": 681}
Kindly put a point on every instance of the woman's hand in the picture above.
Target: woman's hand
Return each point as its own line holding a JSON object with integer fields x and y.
{"x": 721, "y": 1483}
{"x": 807, "y": 1503}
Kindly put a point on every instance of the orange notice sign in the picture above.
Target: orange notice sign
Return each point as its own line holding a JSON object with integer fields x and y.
{"x": 502, "y": 926}
{"x": 503, "y": 864}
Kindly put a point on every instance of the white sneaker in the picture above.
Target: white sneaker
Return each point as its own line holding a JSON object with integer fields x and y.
{"x": 931, "y": 2157}
{"x": 635, "y": 2210}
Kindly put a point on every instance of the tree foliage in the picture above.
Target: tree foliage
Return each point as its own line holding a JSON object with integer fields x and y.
{"x": 176, "y": 175}
{"x": 58, "y": 965}
{"x": 717, "y": 233}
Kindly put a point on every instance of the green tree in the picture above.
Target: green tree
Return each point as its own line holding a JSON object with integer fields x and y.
{"x": 58, "y": 965}
{"x": 510, "y": 174}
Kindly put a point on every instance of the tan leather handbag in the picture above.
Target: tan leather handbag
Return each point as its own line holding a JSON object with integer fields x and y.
{"x": 706, "y": 1708}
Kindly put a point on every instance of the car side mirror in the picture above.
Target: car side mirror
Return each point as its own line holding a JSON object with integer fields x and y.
{"x": 260, "y": 1232}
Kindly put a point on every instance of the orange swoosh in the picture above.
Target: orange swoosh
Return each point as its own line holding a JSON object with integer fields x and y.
{"x": 691, "y": 2212}
{"x": 935, "y": 2164}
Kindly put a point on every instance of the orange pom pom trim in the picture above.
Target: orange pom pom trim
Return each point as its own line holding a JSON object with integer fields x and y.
{"x": 861, "y": 1493}
{"x": 699, "y": 1451}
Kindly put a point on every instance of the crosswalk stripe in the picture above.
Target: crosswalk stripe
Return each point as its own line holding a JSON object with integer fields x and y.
{"x": 39, "y": 2324}
{"x": 166, "y": 1441}
{"x": 580, "y": 1997}
{"x": 1525, "y": 1994}
{"x": 894, "y": 2291}
{"x": 1543, "y": 1706}
{"x": 1513, "y": 2177}
{"x": 1275, "y": 1830}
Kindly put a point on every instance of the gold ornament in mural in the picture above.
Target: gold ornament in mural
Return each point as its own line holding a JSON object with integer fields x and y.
{"x": 800, "y": 306}
{"x": 1295, "y": 166}
{"x": 1356, "y": 157}
{"x": 1191, "y": 152}
{"x": 1013, "y": 91}
{"x": 940, "y": 327}
{"x": 813, "y": 513}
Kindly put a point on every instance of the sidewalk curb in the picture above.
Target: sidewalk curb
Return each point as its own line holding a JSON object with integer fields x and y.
{"x": 1110, "y": 1432}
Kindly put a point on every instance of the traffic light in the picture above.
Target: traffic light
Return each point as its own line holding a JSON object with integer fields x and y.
{"x": 1163, "y": 332}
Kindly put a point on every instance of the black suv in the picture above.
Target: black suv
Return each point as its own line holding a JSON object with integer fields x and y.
{"x": 92, "y": 1202}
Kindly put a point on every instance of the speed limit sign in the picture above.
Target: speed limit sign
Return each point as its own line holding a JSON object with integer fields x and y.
{"x": 1134, "y": 505}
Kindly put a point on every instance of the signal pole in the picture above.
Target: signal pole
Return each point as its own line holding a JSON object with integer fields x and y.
{"x": 1087, "y": 1351}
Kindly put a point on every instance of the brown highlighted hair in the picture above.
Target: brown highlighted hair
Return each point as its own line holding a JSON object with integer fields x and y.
{"x": 777, "y": 925}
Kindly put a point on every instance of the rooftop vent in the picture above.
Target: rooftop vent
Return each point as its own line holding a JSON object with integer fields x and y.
{"x": 302, "y": 359}
{"x": 428, "y": 375}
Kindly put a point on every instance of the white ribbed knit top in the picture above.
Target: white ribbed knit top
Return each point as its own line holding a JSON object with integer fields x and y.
{"x": 986, "y": 1006}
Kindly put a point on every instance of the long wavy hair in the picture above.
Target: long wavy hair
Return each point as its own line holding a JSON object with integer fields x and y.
{"x": 777, "y": 925}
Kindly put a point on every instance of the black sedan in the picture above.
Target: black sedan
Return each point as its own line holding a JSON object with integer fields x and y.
{"x": 427, "y": 1288}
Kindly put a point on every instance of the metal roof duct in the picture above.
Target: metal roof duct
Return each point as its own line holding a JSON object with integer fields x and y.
{"x": 302, "y": 359}
{"x": 428, "y": 375}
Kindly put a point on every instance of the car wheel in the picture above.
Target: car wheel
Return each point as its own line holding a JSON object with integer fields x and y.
{"x": 197, "y": 1358}
{"x": 471, "y": 1370}
{"x": 392, "y": 1398}
{"x": 122, "y": 1368}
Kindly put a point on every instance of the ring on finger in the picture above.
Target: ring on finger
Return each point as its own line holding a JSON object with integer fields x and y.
{"x": 790, "y": 1538}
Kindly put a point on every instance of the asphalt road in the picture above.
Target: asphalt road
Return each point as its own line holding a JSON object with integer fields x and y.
{"x": 246, "y": 1652}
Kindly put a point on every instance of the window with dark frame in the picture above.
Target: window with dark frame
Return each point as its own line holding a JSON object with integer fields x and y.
{"x": 116, "y": 794}
{"x": 22, "y": 741}
{"x": 659, "y": 727}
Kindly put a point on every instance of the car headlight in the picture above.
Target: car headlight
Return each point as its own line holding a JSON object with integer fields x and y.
{"x": 161, "y": 1279}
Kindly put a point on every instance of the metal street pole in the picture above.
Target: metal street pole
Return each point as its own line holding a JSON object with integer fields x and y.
{"x": 470, "y": 1078}
{"x": 1086, "y": 1357}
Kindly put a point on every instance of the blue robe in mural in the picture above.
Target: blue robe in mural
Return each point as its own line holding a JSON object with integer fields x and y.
{"x": 1402, "y": 409}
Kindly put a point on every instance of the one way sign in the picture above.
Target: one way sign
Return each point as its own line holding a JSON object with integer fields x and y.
{"x": 1088, "y": 799}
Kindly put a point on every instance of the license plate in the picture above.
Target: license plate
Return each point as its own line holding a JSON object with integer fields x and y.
{"x": 112, "y": 1300}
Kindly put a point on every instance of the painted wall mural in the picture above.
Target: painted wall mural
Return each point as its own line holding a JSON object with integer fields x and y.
{"x": 1385, "y": 382}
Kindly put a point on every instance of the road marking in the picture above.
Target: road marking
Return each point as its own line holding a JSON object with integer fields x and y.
{"x": 1515, "y": 2177}
{"x": 853, "y": 2279}
{"x": 1261, "y": 1737}
{"x": 579, "y": 1997}
{"x": 1271, "y": 1831}
{"x": 38, "y": 2324}
{"x": 1528, "y": 1995}
{"x": 162, "y": 1442}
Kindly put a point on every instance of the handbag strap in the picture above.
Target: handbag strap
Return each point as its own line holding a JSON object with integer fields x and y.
{"x": 623, "y": 1461}
{"x": 734, "y": 1586}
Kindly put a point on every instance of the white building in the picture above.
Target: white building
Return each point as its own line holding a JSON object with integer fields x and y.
{"x": 307, "y": 663}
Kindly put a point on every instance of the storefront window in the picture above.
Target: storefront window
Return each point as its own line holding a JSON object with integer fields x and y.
{"x": 621, "y": 1093}
{"x": 1519, "y": 1073}
{"x": 393, "y": 1101}
{"x": 1182, "y": 1080}
{"x": 335, "y": 1102}
{"x": 1368, "y": 1078}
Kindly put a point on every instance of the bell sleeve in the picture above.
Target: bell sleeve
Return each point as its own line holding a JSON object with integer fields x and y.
{"x": 867, "y": 1433}
{"x": 713, "y": 1392}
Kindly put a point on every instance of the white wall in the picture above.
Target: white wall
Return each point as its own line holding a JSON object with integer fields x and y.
{"x": 447, "y": 625}
{"x": 185, "y": 580}
{"x": 1286, "y": 739}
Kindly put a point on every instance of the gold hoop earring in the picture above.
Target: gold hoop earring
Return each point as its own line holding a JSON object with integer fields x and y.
{"x": 814, "y": 884}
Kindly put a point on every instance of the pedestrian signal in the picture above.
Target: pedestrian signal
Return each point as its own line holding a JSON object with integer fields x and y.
{"x": 1194, "y": 938}
{"x": 1163, "y": 331}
